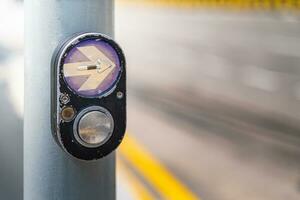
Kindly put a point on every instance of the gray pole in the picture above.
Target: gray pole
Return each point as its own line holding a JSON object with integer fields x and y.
{"x": 49, "y": 173}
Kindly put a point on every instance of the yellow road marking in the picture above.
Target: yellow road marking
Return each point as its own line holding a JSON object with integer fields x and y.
{"x": 156, "y": 174}
{"x": 224, "y": 4}
{"x": 139, "y": 191}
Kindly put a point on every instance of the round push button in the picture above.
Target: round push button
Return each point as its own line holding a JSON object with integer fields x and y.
{"x": 94, "y": 126}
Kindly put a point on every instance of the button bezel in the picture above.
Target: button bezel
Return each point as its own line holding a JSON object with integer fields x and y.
{"x": 77, "y": 123}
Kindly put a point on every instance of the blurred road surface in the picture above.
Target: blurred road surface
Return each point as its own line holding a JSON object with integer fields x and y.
{"x": 11, "y": 93}
{"x": 215, "y": 96}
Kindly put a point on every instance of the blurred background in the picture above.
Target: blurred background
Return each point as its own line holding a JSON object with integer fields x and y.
{"x": 213, "y": 99}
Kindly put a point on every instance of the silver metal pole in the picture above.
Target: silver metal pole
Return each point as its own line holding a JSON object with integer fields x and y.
{"x": 50, "y": 174}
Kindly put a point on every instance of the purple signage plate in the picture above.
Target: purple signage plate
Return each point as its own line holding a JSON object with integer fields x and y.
{"x": 91, "y": 68}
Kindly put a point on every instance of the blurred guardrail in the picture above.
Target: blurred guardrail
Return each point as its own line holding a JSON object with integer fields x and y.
{"x": 223, "y": 4}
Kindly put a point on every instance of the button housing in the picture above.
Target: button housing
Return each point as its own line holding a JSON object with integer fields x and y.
{"x": 63, "y": 131}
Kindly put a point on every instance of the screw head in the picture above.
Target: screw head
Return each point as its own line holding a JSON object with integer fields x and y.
{"x": 120, "y": 95}
{"x": 65, "y": 99}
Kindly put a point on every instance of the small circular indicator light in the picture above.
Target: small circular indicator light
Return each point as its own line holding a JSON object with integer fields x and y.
{"x": 94, "y": 126}
{"x": 67, "y": 114}
{"x": 91, "y": 65}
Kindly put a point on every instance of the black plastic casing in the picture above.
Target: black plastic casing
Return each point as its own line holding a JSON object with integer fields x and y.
{"x": 62, "y": 130}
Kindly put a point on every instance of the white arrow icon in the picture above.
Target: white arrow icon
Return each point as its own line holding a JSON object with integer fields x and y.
{"x": 98, "y": 68}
